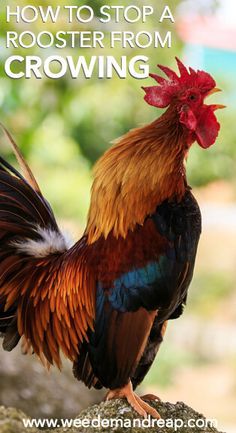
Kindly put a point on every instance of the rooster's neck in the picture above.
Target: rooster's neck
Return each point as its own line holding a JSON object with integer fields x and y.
{"x": 142, "y": 169}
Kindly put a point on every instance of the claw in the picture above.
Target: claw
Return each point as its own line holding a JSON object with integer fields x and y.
{"x": 149, "y": 409}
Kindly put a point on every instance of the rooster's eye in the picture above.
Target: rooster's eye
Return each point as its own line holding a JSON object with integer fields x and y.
{"x": 192, "y": 97}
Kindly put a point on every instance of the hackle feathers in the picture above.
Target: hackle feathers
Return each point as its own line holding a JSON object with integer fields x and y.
{"x": 138, "y": 172}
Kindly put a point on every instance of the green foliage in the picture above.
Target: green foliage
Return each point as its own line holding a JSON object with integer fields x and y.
{"x": 164, "y": 369}
{"x": 208, "y": 291}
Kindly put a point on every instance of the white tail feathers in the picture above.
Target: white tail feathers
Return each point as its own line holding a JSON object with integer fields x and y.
{"x": 51, "y": 242}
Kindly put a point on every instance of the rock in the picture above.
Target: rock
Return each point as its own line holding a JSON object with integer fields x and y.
{"x": 11, "y": 421}
{"x": 115, "y": 412}
{"x": 27, "y": 385}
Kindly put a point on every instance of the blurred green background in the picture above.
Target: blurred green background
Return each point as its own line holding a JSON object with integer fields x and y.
{"x": 63, "y": 126}
{"x": 69, "y": 123}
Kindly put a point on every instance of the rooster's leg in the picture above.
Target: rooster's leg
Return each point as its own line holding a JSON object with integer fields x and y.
{"x": 134, "y": 400}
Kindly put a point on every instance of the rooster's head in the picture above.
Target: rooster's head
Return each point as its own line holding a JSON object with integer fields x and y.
{"x": 186, "y": 93}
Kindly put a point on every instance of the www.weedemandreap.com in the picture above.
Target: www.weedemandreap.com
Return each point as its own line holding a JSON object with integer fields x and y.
{"x": 98, "y": 422}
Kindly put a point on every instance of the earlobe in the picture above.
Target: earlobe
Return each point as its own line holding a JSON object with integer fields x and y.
{"x": 188, "y": 118}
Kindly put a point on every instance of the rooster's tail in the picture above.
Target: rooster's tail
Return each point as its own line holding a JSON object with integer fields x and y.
{"x": 46, "y": 288}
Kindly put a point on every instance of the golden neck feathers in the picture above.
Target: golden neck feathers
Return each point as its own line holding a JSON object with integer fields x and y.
{"x": 140, "y": 170}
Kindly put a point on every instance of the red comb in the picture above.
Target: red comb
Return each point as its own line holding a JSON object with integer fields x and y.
{"x": 162, "y": 95}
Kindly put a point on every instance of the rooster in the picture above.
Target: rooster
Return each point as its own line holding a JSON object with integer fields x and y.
{"x": 105, "y": 302}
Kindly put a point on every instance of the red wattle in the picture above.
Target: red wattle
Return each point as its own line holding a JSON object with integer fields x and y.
{"x": 207, "y": 128}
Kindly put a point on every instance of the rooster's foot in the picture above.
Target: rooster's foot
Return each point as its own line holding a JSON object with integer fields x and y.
{"x": 143, "y": 409}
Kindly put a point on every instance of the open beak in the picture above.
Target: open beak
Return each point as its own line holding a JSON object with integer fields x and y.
{"x": 215, "y": 106}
